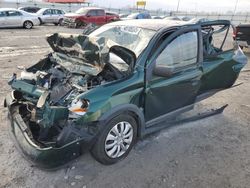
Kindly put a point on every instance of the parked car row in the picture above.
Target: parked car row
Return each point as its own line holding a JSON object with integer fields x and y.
{"x": 17, "y": 18}
{"x": 10, "y": 17}
{"x": 28, "y": 17}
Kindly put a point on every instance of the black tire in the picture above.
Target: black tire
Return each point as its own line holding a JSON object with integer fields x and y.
{"x": 79, "y": 24}
{"x": 98, "y": 150}
{"x": 60, "y": 22}
{"x": 27, "y": 24}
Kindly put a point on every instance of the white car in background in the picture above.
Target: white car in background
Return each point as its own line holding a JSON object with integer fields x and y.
{"x": 50, "y": 15}
{"x": 10, "y": 17}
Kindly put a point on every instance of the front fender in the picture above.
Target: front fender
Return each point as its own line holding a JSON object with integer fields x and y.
{"x": 121, "y": 109}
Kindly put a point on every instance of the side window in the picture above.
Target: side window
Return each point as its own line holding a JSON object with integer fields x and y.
{"x": 3, "y": 14}
{"x": 47, "y": 12}
{"x": 59, "y": 12}
{"x": 14, "y": 13}
{"x": 53, "y": 11}
{"x": 100, "y": 12}
{"x": 92, "y": 13}
{"x": 229, "y": 41}
{"x": 181, "y": 52}
{"x": 213, "y": 38}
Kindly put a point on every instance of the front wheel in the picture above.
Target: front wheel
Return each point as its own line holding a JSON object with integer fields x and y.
{"x": 27, "y": 24}
{"x": 116, "y": 140}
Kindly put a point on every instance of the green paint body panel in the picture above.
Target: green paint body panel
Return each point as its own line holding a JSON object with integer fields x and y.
{"x": 27, "y": 88}
{"x": 219, "y": 72}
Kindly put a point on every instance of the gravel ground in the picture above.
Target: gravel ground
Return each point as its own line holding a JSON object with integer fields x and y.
{"x": 212, "y": 152}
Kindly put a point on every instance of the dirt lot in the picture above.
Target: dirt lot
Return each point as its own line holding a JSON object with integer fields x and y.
{"x": 213, "y": 152}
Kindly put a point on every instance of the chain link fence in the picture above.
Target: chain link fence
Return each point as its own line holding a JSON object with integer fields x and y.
{"x": 236, "y": 19}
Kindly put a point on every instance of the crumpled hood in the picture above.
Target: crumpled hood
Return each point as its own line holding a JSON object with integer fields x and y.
{"x": 79, "y": 53}
{"x": 84, "y": 54}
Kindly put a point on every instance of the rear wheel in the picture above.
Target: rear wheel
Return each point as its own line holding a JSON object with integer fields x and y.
{"x": 27, "y": 24}
{"x": 60, "y": 22}
{"x": 116, "y": 140}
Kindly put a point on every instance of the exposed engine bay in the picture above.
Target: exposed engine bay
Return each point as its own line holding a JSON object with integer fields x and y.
{"x": 47, "y": 92}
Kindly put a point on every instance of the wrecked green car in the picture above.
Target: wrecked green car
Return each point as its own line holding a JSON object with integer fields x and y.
{"x": 103, "y": 91}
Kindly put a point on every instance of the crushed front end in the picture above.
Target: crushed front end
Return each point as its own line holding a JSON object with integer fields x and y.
{"x": 45, "y": 109}
{"x": 44, "y": 121}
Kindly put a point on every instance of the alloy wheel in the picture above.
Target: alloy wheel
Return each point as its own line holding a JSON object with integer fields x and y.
{"x": 28, "y": 25}
{"x": 119, "y": 139}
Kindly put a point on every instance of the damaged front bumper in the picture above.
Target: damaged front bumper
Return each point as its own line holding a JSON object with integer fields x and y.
{"x": 69, "y": 22}
{"x": 48, "y": 157}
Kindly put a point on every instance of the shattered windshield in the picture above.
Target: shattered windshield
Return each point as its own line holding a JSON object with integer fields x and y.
{"x": 131, "y": 37}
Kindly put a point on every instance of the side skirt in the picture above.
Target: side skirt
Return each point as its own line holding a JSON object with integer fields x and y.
{"x": 167, "y": 122}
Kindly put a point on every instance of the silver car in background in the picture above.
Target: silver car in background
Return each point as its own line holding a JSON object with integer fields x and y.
{"x": 50, "y": 15}
{"x": 10, "y": 17}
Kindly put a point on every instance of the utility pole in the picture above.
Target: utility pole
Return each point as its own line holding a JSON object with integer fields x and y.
{"x": 178, "y": 6}
{"x": 235, "y": 7}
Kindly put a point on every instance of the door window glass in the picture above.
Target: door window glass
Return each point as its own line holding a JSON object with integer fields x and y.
{"x": 47, "y": 12}
{"x": 59, "y": 12}
{"x": 14, "y": 13}
{"x": 216, "y": 39}
{"x": 182, "y": 51}
{"x": 100, "y": 12}
{"x": 54, "y": 12}
{"x": 3, "y": 14}
{"x": 92, "y": 13}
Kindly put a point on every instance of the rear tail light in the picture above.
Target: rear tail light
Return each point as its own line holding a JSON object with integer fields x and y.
{"x": 235, "y": 31}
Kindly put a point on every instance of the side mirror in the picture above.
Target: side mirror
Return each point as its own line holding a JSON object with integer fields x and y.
{"x": 162, "y": 71}
{"x": 87, "y": 15}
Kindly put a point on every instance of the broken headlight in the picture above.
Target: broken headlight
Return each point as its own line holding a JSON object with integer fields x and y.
{"x": 78, "y": 107}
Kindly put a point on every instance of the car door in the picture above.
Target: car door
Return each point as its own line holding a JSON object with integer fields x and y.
{"x": 3, "y": 16}
{"x": 14, "y": 18}
{"x": 47, "y": 16}
{"x": 100, "y": 17}
{"x": 91, "y": 16}
{"x": 174, "y": 80}
{"x": 55, "y": 15}
{"x": 222, "y": 59}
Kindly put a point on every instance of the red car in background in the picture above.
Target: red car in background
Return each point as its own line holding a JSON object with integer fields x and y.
{"x": 87, "y": 15}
